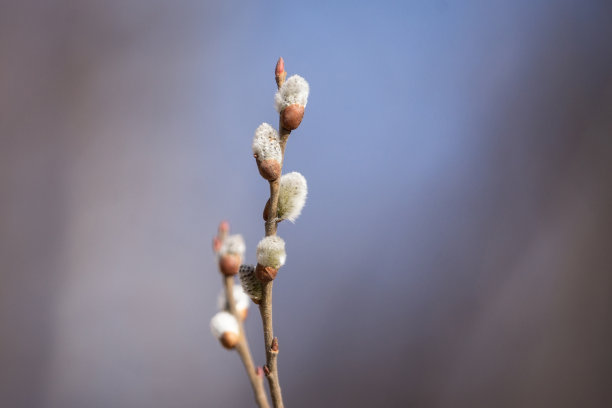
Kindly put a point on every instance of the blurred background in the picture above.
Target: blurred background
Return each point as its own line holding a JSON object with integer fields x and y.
{"x": 455, "y": 250}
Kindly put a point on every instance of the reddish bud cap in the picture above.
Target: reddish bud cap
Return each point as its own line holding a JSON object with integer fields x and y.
{"x": 265, "y": 273}
{"x": 229, "y": 264}
{"x": 292, "y": 116}
{"x": 223, "y": 227}
{"x": 229, "y": 340}
{"x": 280, "y": 67}
{"x": 269, "y": 169}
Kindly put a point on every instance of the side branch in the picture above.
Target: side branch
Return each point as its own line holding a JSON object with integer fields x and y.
{"x": 243, "y": 348}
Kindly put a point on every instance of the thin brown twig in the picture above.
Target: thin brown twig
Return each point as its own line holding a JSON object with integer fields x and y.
{"x": 243, "y": 348}
{"x": 265, "y": 306}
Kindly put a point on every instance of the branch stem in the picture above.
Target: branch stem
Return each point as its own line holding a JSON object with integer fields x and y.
{"x": 265, "y": 305}
{"x": 243, "y": 348}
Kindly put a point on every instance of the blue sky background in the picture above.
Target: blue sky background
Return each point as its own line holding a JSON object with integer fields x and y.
{"x": 453, "y": 250}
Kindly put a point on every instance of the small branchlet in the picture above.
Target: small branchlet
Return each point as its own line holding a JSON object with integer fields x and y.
{"x": 227, "y": 325}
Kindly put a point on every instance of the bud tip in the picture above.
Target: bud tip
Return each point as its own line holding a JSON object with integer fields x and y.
{"x": 274, "y": 346}
{"x": 224, "y": 227}
{"x": 280, "y": 67}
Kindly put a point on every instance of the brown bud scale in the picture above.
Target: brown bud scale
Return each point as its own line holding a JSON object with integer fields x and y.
{"x": 265, "y": 273}
{"x": 292, "y": 116}
{"x": 229, "y": 340}
{"x": 269, "y": 169}
{"x": 229, "y": 264}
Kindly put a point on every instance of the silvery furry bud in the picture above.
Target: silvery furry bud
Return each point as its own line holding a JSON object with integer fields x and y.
{"x": 267, "y": 151}
{"x": 230, "y": 254}
{"x": 290, "y": 101}
{"x": 225, "y": 328}
{"x": 292, "y": 194}
{"x": 233, "y": 244}
{"x": 250, "y": 284}
{"x": 271, "y": 252}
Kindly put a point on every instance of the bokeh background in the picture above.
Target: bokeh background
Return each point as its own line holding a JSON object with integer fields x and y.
{"x": 455, "y": 251}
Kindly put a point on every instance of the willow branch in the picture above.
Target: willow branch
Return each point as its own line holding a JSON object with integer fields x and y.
{"x": 265, "y": 305}
{"x": 243, "y": 348}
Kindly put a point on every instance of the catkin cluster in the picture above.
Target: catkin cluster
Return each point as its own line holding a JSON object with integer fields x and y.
{"x": 288, "y": 194}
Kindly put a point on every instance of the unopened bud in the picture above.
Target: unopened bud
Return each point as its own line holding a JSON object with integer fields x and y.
{"x": 279, "y": 73}
{"x": 274, "y": 346}
{"x": 280, "y": 66}
{"x": 223, "y": 227}
{"x": 217, "y": 243}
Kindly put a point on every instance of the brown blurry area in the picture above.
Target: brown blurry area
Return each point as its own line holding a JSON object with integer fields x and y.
{"x": 499, "y": 295}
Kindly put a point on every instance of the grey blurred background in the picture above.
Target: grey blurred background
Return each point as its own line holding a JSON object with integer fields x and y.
{"x": 455, "y": 250}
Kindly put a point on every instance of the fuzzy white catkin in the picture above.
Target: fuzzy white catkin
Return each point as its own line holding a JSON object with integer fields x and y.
{"x": 240, "y": 298}
{"x": 250, "y": 284}
{"x": 224, "y": 322}
{"x": 234, "y": 244}
{"x": 291, "y": 196}
{"x": 266, "y": 143}
{"x": 294, "y": 91}
{"x": 271, "y": 252}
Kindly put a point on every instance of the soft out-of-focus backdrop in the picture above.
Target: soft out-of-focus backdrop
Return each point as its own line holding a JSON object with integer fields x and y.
{"x": 455, "y": 250}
